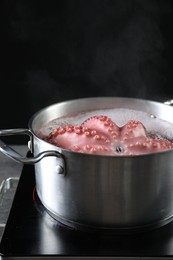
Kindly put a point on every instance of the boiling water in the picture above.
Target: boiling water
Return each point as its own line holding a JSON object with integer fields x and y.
{"x": 155, "y": 127}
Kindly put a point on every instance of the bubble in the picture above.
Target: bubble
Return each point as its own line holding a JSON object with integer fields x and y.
{"x": 155, "y": 127}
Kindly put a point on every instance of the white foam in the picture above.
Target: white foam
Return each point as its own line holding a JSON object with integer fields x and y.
{"x": 120, "y": 116}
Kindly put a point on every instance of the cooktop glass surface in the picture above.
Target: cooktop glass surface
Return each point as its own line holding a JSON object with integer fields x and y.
{"x": 32, "y": 233}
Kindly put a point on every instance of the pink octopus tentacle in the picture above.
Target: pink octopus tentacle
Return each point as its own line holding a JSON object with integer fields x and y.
{"x": 77, "y": 138}
{"x": 100, "y": 135}
{"x": 103, "y": 125}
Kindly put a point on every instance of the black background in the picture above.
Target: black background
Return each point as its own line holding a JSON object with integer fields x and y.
{"x": 53, "y": 51}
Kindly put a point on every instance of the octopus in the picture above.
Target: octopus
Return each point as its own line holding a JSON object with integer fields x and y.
{"x": 101, "y": 136}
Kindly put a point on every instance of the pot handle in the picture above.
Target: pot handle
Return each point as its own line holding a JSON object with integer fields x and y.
{"x": 169, "y": 102}
{"x": 10, "y": 152}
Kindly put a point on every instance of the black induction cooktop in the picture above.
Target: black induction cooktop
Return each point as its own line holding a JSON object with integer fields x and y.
{"x": 32, "y": 233}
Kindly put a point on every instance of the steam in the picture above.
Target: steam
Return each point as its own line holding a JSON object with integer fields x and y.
{"x": 130, "y": 60}
{"x": 89, "y": 48}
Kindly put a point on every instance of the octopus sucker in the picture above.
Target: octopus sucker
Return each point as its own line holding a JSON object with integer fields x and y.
{"x": 100, "y": 135}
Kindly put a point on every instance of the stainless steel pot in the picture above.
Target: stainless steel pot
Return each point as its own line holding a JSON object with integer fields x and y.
{"x": 97, "y": 192}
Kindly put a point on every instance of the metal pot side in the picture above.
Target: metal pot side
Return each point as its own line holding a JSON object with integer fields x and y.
{"x": 104, "y": 192}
